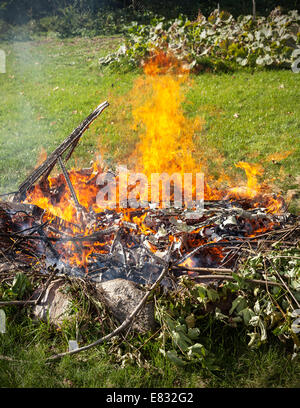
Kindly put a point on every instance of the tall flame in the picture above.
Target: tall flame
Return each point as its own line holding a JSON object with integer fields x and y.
{"x": 167, "y": 137}
{"x": 166, "y": 145}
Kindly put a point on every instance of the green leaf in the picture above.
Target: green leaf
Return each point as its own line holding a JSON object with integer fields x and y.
{"x": 198, "y": 350}
{"x": 247, "y": 315}
{"x": 202, "y": 292}
{"x": 193, "y": 333}
{"x": 238, "y": 278}
{"x": 263, "y": 331}
{"x": 212, "y": 295}
{"x": 170, "y": 322}
{"x": 238, "y": 304}
{"x": 220, "y": 316}
{"x": 20, "y": 285}
{"x": 254, "y": 340}
{"x": 254, "y": 321}
{"x": 181, "y": 339}
{"x": 256, "y": 307}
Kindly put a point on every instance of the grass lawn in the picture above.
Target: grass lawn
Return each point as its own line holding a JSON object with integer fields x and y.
{"x": 50, "y": 86}
{"x": 29, "y": 344}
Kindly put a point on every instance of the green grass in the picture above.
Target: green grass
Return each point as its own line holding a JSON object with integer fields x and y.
{"x": 52, "y": 85}
{"x": 29, "y": 344}
{"x": 49, "y": 88}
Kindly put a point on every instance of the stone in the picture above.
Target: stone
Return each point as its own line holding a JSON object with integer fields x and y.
{"x": 122, "y": 297}
{"x": 119, "y": 295}
{"x": 54, "y": 304}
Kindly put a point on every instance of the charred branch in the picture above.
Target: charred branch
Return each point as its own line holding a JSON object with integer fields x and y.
{"x": 70, "y": 142}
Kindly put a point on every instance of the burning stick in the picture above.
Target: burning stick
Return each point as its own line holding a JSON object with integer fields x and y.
{"x": 48, "y": 242}
{"x": 248, "y": 280}
{"x": 79, "y": 209}
{"x": 45, "y": 168}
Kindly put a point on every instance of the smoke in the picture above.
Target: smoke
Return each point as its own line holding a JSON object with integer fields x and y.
{"x": 2, "y": 62}
{"x": 19, "y": 146}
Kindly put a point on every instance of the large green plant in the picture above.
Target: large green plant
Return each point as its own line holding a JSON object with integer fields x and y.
{"x": 265, "y": 310}
{"x": 218, "y": 41}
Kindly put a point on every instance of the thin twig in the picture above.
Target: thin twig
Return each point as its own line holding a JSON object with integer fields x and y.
{"x": 49, "y": 163}
{"x": 150, "y": 338}
{"x": 267, "y": 289}
{"x": 283, "y": 282}
{"x": 78, "y": 206}
{"x": 211, "y": 270}
{"x": 231, "y": 278}
{"x": 17, "y": 302}
{"x": 67, "y": 238}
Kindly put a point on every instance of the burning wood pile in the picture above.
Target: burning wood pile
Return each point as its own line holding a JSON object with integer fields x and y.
{"x": 57, "y": 221}
{"x": 86, "y": 223}
{"x": 136, "y": 246}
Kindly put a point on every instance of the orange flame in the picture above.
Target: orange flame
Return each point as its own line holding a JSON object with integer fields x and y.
{"x": 252, "y": 171}
{"x": 276, "y": 157}
{"x": 166, "y": 145}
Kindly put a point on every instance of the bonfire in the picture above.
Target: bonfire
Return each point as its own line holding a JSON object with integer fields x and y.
{"x": 130, "y": 222}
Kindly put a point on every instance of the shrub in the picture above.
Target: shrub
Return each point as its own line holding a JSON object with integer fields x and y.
{"x": 71, "y": 22}
{"x": 220, "y": 39}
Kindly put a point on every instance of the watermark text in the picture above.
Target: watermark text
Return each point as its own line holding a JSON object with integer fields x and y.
{"x": 136, "y": 190}
{"x": 296, "y": 63}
